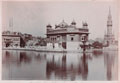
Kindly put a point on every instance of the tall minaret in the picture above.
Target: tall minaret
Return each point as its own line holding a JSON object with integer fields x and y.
{"x": 109, "y": 36}
{"x": 109, "y": 23}
{"x": 11, "y": 24}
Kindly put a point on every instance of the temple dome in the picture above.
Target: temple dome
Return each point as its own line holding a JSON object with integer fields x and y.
{"x": 63, "y": 24}
{"x": 85, "y": 24}
{"x": 49, "y": 25}
{"x": 73, "y": 22}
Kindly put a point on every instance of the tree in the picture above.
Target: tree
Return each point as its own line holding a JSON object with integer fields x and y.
{"x": 97, "y": 44}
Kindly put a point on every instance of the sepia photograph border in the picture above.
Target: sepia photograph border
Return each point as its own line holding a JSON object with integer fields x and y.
{"x": 47, "y": 81}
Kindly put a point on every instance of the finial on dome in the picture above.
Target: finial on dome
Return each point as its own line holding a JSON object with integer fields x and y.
{"x": 63, "y": 24}
{"x": 84, "y": 23}
{"x": 49, "y": 25}
{"x": 73, "y": 22}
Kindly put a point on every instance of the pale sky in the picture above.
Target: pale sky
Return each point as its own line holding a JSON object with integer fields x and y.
{"x": 32, "y": 17}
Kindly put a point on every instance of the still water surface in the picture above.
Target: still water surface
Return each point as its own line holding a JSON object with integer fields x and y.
{"x": 30, "y": 65}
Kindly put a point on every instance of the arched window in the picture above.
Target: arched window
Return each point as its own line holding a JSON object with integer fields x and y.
{"x": 72, "y": 39}
{"x": 82, "y": 38}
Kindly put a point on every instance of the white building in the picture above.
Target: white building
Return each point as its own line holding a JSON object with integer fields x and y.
{"x": 10, "y": 39}
{"x": 66, "y": 36}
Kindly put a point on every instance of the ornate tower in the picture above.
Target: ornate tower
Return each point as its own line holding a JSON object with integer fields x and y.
{"x": 73, "y": 23}
{"x": 109, "y": 23}
{"x": 109, "y": 36}
{"x": 49, "y": 27}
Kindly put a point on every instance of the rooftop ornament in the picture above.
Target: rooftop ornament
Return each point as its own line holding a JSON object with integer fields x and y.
{"x": 63, "y": 24}
{"x": 49, "y": 25}
{"x": 73, "y": 22}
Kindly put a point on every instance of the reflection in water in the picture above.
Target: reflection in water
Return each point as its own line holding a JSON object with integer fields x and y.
{"x": 85, "y": 67}
{"x": 97, "y": 53}
{"x": 58, "y": 68}
{"x": 26, "y": 65}
{"x": 7, "y": 54}
{"x": 62, "y": 71}
{"x": 24, "y": 57}
{"x": 109, "y": 59}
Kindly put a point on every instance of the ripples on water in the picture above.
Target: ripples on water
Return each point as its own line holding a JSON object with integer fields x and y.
{"x": 29, "y": 65}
